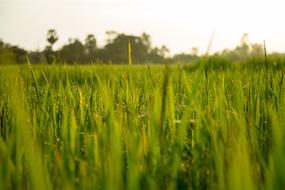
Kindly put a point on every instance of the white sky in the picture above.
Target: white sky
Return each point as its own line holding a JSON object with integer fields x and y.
{"x": 179, "y": 24}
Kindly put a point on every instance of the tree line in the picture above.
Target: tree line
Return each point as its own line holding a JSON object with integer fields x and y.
{"x": 87, "y": 52}
{"x": 116, "y": 51}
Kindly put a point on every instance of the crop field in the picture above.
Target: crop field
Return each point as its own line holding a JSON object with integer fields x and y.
{"x": 141, "y": 127}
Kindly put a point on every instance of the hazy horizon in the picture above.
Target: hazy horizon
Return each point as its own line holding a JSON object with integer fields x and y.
{"x": 180, "y": 24}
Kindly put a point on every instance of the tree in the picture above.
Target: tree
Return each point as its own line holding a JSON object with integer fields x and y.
{"x": 242, "y": 50}
{"x": 52, "y": 37}
{"x": 1, "y": 43}
{"x": 244, "y": 40}
{"x": 49, "y": 53}
{"x": 185, "y": 58}
{"x": 155, "y": 56}
{"x": 11, "y": 54}
{"x": 90, "y": 43}
{"x": 194, "y": 51}
{"x": 19, "y": 53}
{"x": 6, "y": 55}
{"x": 256, "y": 50}
{"x": 117, "y": 49}
{"x": 163, "y": 51}
{"x": 146, "y": 40}
{"x": 73, "y": 52}
{"x": 111, "y": 35}
{"x": 90, "y": 48}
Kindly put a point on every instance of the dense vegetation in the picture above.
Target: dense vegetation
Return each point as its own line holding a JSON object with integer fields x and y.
{"x": 116, "y": 51}
{"x": 87, "y": 52}
{"x": 210, "y": 126}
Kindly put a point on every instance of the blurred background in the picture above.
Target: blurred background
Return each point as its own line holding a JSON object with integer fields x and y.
{"x": 172, "y": 27}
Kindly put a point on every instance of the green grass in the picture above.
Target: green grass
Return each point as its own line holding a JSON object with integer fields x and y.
{"x": 141, "y": 127}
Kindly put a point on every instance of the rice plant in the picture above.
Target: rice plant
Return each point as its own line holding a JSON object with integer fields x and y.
{"x": 141, "y": 127}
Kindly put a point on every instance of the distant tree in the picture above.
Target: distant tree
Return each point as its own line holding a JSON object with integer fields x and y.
{"x": 90, "y": 48}
{"x": 194, "y": 51}
{"x": 1, "y": 44}
{"x": 7, "y": 56}
{"x": 242, "y": 50}
{"x": 256, "y": 50}
{"x": 244, "y": 40}
{"x": 117, "y": 49}
{"x": 11, "y": 54}
{"x": 163, "y": 51}
{"x": 37, "y": 57}
{"x": 52, "y": 37}
{"x": 111, "y": 35}
{"x": 90, "y": 43}
{"x": 19, "y": 53}
{"x": 49, "y": 54}
{"x": 185, "y": 58}
{"x": 155, "y": 56}
{"x": 146, "y": 40}
{"x": 73, "y": 52}
{"x": 239, "y": 53}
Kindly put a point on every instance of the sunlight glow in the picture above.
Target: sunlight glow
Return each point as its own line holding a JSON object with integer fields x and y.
{"x": 180, "y": 24}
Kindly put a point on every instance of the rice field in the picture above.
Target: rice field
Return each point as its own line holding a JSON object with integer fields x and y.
{"x": 141, "y": 127}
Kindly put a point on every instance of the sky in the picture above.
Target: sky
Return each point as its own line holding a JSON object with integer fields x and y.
{"x": 180, "y": 24}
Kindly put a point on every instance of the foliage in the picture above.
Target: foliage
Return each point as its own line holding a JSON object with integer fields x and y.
{"x": 77, "y": 49}
{"x": 52, "y": 37}
{"x": 116, "y": 51}
{"x": 141, "y": 127}
{"x": 11, "y": 54}
{"x": 185, "y": 58}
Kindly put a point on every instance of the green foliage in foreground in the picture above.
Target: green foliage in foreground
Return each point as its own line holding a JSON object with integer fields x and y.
{"x": 141, "y": 127}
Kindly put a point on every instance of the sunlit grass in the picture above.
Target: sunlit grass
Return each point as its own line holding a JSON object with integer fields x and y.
{"x": 141, "y": 127}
